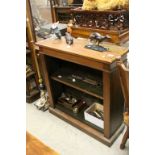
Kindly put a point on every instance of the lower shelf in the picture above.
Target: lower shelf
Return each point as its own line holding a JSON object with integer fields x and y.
{"x": 79, "y": 116}
{"x": 86, "y": 128}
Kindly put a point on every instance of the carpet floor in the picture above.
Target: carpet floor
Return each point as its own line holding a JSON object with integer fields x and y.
{"x": 66, "y": 139}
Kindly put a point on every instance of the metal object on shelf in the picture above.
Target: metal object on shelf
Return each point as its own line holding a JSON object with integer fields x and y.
{"x": 77, "y": 77}
{"x": 69, "y": 38}
{"x": 95, "y": 39}
{"x": 97, "y": 113}
{"x": 73, "y": 80}
{"x": 72, "y": 103}
{"x": 59, "y": 76}
{"x": 86, "y": 80}
{"x": 100, "y": 113}
{"x": 79, "y": 106}
{"x": 90, "y": 81}
{"x": 55, "y": 30}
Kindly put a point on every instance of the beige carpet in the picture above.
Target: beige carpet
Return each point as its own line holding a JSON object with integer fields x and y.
{"x": 66, "y": 139}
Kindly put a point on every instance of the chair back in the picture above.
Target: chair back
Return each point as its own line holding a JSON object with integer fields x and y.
{"x": 124, "y": 79}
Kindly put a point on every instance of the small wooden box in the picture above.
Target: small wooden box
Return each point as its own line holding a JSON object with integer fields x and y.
{"x": 93, "y": 119}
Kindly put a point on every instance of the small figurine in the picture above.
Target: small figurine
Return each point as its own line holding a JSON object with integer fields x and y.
{"x": 43, "y": 103}
{"x": 55, "y": 30}
{"x": 71, "y": 103}
{"x": 96, "y": 39}
{"x": 69, "y": 38}
{"x": 69, "y": 26}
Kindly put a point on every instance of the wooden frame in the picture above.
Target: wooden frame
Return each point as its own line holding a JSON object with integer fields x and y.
{"x": 29, "y": 12}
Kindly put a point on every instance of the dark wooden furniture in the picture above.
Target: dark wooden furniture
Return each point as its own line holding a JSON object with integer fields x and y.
{"x": 124, "y": 79}
{"x": 35, "y": 147}
{"x": 61, "y": 14}
{"x": 32, "y": 91}
{"x": 114, "y": 23}
{"x": 117, "y": 37}
{"x": 58, "y": 58}
{"x": 60, "y": 9}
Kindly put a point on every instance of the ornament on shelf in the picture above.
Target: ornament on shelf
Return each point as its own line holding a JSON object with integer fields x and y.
{"x": 42, "y": 103}
{"x": 95, "y": 40}
{"x": 69, "y": 38}
{"x": 55, "y": 30}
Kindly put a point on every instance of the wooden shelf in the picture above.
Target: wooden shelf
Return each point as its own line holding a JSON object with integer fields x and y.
{"x": 79, "y": 116}
{"x": 86, "y": 128}
{"x": 81, "y": 86}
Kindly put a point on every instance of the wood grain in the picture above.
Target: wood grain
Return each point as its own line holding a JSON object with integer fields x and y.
{"x": 47, "y": 79}
{"x": 117, "y": 37}
{"x": 36, "y": 147}
{"x": 78, "y": 49}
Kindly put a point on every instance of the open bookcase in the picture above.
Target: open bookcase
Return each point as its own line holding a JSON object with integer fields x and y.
{"x": 86, "y": 75}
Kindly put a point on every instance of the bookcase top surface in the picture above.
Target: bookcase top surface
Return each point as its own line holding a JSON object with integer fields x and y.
{"x": 78, "y": 48}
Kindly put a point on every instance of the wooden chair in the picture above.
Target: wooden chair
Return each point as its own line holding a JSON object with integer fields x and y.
{"x": 124, "y": 79}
